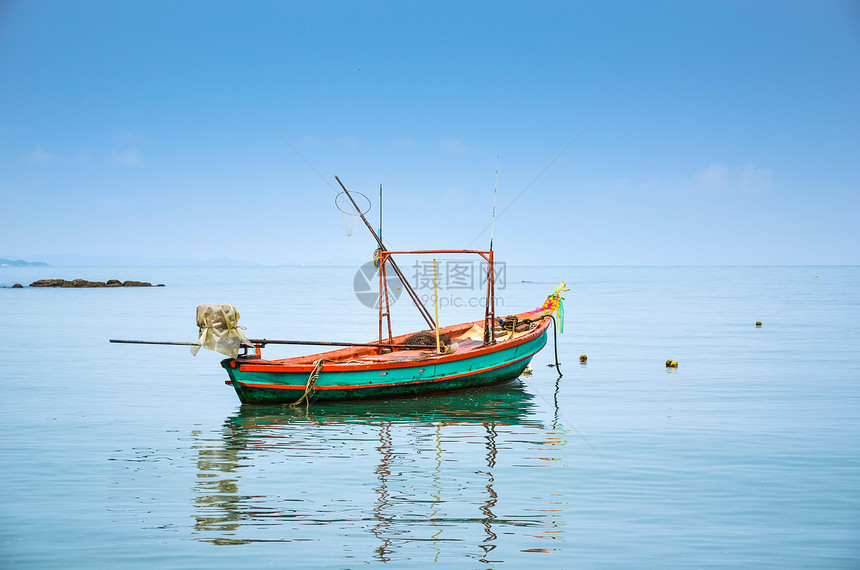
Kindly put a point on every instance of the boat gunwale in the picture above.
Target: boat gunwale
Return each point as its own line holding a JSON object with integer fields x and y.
{"x": 289, "y": 364}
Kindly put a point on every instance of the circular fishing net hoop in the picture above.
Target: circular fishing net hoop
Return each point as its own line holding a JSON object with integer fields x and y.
{"x": 348, "y": 215}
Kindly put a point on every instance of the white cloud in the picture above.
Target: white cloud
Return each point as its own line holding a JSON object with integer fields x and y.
{"x": 81, "y": 156}
{"x": 711, "y": 181}
{"x": 309, "y": 140}
{"x": 713, "y": 175}
{"x": 718, "y": 179}
{"x": 128, "y": 137}
{"x": 454, "y": 146}
{"x": 128, "y": 157}
{"x": 40, "y": 156}
{"x": 404, "y": 144}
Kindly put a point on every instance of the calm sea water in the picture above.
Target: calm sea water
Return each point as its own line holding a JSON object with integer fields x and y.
{"x": 139, "y": 456}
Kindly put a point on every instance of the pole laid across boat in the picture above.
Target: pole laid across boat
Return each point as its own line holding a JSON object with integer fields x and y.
{"x": 262, "y": 342}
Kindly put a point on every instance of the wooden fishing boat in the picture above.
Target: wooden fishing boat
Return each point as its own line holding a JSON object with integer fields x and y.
{"x": 478, "y": 353}
{"x": 368, "y": 371}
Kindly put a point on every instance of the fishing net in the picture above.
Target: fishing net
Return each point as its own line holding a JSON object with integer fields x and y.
{"x": 428, "y": 338}
{"x": 219, "y": 330}
{"x": 348, "y": 223}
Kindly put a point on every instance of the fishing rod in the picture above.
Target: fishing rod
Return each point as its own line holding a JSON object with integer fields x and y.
{"x": 295, "y": 150}
{"x": 493, "y": 220}
{"x": 421, "y": 308}
{"x": 491, "y": 272}
{"x": 262, "y": 342}
{"x": 539, "y": 174}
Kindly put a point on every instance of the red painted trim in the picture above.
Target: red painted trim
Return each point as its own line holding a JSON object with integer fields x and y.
{"x": 362, "y": 386}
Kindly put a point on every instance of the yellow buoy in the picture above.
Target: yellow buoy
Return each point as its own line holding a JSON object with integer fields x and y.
{"x": 583, "y": 358}
{"x": 671, "y": 364}
{"x": 758, "y": 323}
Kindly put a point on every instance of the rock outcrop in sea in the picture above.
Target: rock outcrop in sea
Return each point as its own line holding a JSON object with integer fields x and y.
{"x": 75, "y": 283}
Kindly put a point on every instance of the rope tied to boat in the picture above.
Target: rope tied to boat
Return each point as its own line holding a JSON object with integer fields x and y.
{"x": 555, "y": 344}
{"x": 312, "y": 381}
{"x": 509, "y": 324}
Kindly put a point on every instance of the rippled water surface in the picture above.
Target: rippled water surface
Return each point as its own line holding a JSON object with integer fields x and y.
{"x": 140, "y": 456}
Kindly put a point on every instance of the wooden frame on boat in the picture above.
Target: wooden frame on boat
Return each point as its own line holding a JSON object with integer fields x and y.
{"x": 383, "y": 257}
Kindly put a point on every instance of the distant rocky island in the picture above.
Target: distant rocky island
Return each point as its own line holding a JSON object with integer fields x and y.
{"x": 21, "y": 263}
{"x": 84, "y": 283}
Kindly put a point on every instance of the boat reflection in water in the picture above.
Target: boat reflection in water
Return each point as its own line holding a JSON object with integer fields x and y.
{"x": 428, "y": 478}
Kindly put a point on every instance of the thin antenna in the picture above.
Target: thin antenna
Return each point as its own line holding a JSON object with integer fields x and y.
{"x": 495, "y": 188}
{"x": 380, "y": 211}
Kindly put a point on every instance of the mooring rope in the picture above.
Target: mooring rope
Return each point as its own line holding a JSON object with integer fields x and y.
{"x": 555, "y": 345}
{"x": 312, "y": 380}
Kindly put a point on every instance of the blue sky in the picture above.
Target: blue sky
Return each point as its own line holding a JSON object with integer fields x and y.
{"x": 720, "y": 132}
